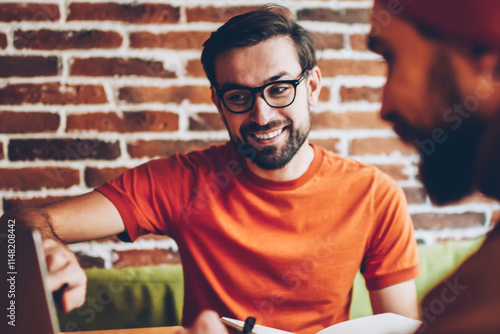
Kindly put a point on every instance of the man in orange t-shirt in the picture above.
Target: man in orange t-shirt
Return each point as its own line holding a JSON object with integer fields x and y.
{"x": 267, "y": 225}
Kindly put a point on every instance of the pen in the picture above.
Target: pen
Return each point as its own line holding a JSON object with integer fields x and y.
{"x": 249, "y": 323}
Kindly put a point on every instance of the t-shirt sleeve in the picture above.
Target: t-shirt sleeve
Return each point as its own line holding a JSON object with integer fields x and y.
{"x": 391, "y": 256}
{"x": 149, "y": 197}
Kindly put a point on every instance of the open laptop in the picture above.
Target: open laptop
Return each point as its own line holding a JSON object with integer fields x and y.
{"x": 26, "y": 302}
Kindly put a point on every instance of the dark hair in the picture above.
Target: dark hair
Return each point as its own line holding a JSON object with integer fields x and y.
{"x": 252, "y": 28}
{"x": 473, "y": 49}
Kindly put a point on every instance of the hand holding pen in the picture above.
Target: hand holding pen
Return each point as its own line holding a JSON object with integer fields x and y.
{"x": 206, "y": 323}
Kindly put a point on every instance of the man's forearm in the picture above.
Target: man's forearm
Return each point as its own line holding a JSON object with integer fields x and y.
{"x": 81, "y": 218}
{"x": 37, "y": 218}
{"x": 400, "y": 298}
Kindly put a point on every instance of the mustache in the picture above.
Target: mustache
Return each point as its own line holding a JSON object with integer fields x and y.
{"x": 403, "y": 128}
{"x": 254, "y": 127}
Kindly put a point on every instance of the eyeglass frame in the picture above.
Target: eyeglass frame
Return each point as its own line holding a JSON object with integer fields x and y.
{"x": 254, "y": 90}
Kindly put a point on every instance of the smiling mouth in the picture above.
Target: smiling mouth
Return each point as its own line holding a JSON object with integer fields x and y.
{"x": 267, "y": 136}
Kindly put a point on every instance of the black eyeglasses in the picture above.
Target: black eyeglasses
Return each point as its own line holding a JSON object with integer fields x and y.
{"x": 277, "y": 94}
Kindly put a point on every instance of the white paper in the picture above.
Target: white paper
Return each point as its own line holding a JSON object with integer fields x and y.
{"x": 385, "y": 323}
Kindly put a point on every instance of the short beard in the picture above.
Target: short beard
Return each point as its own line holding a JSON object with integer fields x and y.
{"x": 270, "y": 157}
{"x": 448, "y": 171}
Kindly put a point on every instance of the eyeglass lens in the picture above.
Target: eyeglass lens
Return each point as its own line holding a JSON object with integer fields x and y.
{"x": 279, "y": 94}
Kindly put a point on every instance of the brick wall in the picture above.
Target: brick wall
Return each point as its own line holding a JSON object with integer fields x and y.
{"x": 89, "y": 89}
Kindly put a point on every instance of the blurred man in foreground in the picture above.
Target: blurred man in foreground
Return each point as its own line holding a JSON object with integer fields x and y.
{"x": 443, "y": 96}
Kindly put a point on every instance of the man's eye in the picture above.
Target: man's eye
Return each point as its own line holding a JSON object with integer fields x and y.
{"x": 238, "y": 97}
{"x": 278, "y": 90}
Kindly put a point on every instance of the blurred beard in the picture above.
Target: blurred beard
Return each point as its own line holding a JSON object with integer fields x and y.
{"x": 448, "y": 169}
{"x": 270, "y": 157}
{"x": 448, "y": 173}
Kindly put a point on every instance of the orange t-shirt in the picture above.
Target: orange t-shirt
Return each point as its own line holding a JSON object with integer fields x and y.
{"x": 283, "y": 252}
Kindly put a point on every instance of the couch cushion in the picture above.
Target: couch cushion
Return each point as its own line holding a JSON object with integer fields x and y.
{"x": 129, "y": 298}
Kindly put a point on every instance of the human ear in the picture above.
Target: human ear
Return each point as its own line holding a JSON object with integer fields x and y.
{"x": 488, "y": 64}
{"x": 488, "y": 160}
{"x": 217, "y": 102}
{"x": 314, "y": 86}
{"x": 215, "y": 99}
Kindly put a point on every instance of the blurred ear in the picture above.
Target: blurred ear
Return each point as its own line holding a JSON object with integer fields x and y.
{"x": 488, "y": 160}
{"x": 488, "y": 65}
{"x": 314, "y": 86}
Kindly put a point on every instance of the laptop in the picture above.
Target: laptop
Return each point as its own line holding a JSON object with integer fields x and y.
{"x": 26, "y": 301}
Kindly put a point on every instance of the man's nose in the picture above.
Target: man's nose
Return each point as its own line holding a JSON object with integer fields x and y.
{"x": 261, "y": 112}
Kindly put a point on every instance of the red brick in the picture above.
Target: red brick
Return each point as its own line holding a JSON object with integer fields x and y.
{"x": 206, "y": 121}
{"x": 380, "y": 146}
{"x": 145, "y": 257}
{"x": 215, "y": 14}
{"x": 370, "y": 94}
{"x": 195, "y": 69}
{"x": 95, "y": 177}
{"x": 329, "y": 144}
{"x": 30, "y": 66}
{"x": 495, "y": 217}
{"x": 3, "y": 41}
{"x": 38, "y": 178}
{"x": 394, "y": 171}
{"x": 140, "y": 121}
{"x": 153, "y": 237}
{"x": 12, "y": 203}
{"x": 348, "y": 15}
{"x": 324, "y": 41}
{"x": 163, "y": 148}
{"x": 175, "y": 94}
{"x": 62, "y": 149}
{"x": 454, "y": 238}
{"x": 325, "y": 94}
{"x": 130, "y": 13}
{"x": 65, "y": 40}
{"x": 349, "y": 120}
{"x": 415, "y": 195}
{"x": 334, "y": 67}
{"x": 358, "y": 42}
{"x": 87, "y": 261}
{"x": 108, "y": 67}
{"x": 142, "y": 237}
{"x": 177, "y": 40}
{"x": 114, "y": 239}
{"x": 477, "y": 198}
{"x": 28, "y": 122}
{"x": 52, "y": 93}
{"x": 438, "y": 221}
{"x": 10, "y": 12}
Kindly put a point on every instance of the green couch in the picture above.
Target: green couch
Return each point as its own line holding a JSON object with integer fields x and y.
{"x": 152, "y": 296}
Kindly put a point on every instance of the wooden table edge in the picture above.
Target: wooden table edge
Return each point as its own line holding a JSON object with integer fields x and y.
{"x": 146, "y": 330}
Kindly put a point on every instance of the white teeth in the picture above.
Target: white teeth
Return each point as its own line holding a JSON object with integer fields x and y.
{"x": 269, "y": 135}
